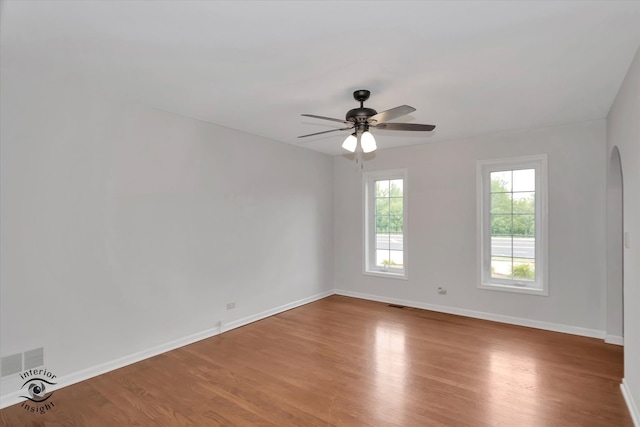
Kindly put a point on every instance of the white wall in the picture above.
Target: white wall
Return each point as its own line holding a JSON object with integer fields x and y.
{"x": 442, "y": 226}
{"x": 614, "y": 248}
{"x": 124, "y": 228}
{"x": 623, "y": 131}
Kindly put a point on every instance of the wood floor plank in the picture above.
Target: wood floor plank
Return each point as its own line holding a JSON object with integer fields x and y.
{"x": 347, "y": 362}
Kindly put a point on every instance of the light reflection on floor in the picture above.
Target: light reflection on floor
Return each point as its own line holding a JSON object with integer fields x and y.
{"x": 391, "y": 370}
{"x": 513, "y": 381}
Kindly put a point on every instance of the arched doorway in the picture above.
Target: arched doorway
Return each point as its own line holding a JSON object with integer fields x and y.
{"x": 615, "y": 279}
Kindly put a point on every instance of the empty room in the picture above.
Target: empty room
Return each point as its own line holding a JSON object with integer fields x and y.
{"x": 319, "y": 213}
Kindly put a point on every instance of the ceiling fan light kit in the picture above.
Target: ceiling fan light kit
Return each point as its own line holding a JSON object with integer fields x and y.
{"x": 363, "y": 118}
{"x": 350, "y": 143}
{"x": 367, "y": 142}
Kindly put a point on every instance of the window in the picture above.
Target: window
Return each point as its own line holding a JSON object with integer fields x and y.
{"x": 385, "y": 216}
{"x": 512, "y": 217}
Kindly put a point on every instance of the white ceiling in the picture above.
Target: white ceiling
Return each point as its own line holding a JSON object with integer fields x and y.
{"x": 468, "y": 67}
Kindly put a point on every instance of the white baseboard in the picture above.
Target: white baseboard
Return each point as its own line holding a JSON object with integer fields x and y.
{"x": 631, "y": 404}
{"x": 556, "y": 327}
{"x": 254, "y": 318}
{"x": 75, "y": 377}
{"x": 614, "y": 339}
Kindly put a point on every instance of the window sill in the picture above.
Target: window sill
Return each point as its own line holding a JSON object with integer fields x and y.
{"x": 386, "y": 274}
{"x": 514, "y": 288}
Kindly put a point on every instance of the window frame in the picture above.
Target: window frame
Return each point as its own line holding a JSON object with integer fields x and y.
{"x": 369, "y": 205}
{"x": 484, "y": 168}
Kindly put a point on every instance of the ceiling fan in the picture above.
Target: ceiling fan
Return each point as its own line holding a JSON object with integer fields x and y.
{"x": 362, "y": 118}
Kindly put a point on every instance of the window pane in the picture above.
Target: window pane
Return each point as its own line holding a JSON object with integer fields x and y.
{"x": 396, "y": 242}
{"x": 382, "y": 258}
{"x": 501, "y": 203}
{"x": 395, "y": 205}
{"x": 501, "y": 268}
{"x": 524, "y": 225}
{"x": 501, "y": 246}
{"x": 397, "y": 259}
{"x": 501, "y": 225}
{"x": 382, "y": 188}
{"x": 524, "y": 269}
{"x": 396, "y": 189}
{"x": 382, "y": 225}
{"x": 501, "y": 181}
{"x": 524, "y": 247}
{"x": 382, "y": 207}
{"x": 395, "y": 224}
{"x": 524, "y": 180}
{"x": 524, "y": 202}
{"x": 382, "y": 241}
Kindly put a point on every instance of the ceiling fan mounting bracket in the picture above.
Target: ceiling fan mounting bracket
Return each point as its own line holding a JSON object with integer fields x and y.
{"x": 361, "y": 95}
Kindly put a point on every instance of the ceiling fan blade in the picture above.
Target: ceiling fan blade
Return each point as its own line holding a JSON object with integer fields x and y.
{"x": 391, "y": 114}
{"x": 326, "y": 131}
{"x": 327, "y": 118}
{"x": 405, "y": 126}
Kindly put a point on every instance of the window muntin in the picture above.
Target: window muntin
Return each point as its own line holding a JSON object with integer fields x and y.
{"x": 385, "y": 223}
{"x": 389, "y": 219}
{"x": 512, "y": 214}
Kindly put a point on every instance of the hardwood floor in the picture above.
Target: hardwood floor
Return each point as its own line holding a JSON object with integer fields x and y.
{"x": 345, "y": 361}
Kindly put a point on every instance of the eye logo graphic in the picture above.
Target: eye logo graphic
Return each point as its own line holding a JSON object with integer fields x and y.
{"x": 35, "y": 390}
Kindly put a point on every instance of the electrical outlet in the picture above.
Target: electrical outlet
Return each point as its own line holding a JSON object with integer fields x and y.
{"x": 442, "y": 291}
{"x": 231, "y": 305}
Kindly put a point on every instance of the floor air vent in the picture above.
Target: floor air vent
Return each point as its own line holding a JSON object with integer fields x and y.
{"x": 396, "y": 306}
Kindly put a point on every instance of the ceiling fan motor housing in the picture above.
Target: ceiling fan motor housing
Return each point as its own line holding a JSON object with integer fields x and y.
{"x": 358, "y": 115}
